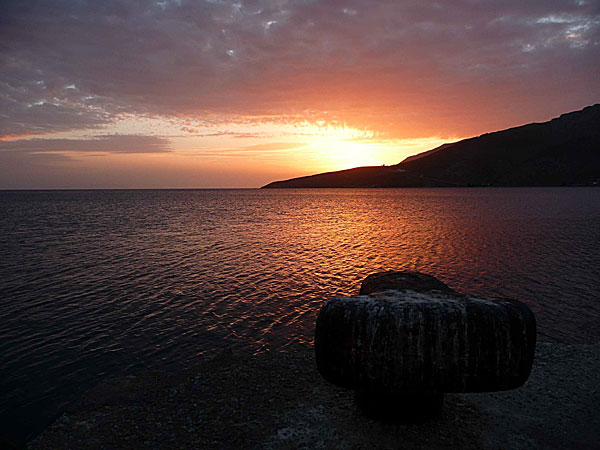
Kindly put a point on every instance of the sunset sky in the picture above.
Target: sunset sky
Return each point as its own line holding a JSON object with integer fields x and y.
{"x": 143, "y": 94}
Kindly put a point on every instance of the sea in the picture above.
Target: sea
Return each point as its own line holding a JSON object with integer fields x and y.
{"x": 107, "y": 283}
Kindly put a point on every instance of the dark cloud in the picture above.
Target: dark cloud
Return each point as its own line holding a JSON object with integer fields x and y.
{"x": 99, "y": 144}
{"x": 51, "y": 163}
{"x": 402, "y": 69}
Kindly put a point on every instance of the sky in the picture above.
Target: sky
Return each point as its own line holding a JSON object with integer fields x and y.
{"x": 199, "y": 94}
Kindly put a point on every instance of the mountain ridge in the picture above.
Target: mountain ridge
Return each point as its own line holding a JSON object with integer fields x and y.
{"x": 564, "y": 151}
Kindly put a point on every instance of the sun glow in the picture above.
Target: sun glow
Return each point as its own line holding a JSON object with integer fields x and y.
{"x": 338, "y": 148}
{"x": 343, "y": 153}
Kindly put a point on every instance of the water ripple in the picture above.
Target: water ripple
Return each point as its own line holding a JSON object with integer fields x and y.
{"x": 105, "y": 283}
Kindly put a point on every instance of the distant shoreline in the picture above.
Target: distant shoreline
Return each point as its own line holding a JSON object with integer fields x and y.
{"x": 288, "y": 188}
{"x": 266, "y": 187}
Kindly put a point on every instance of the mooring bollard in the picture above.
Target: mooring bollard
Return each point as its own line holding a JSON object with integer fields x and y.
{"x": 416, "y": 281}
{"x": 400, "y": 350}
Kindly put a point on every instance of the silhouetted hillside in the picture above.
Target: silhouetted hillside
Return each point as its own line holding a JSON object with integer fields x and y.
{"x": 562, "y": 152}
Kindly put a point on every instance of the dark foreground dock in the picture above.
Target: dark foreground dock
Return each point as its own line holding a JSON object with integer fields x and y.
{"x": 279, "y": 400}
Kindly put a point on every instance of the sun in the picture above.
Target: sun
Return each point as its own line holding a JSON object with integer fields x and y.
{"x": 344, "y": 148}
{"x": 346, "y": 154}
{"x": 338, "y": 148}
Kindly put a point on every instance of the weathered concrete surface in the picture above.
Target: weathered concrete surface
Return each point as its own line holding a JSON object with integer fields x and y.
{"x": 280, "y": 401}
{"x": 411, "y": 342}
{"x": 416, "y": 281}
{"x": 407, "y": 408}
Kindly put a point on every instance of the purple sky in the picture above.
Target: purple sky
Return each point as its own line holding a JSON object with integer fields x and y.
{"x": 219, "y": 93}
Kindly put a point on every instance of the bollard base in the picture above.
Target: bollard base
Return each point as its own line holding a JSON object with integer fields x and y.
{"x": 415, "y": 408}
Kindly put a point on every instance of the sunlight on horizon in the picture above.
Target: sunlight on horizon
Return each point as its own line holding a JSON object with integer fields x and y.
{"x": 303, "y": 148}
{"x": 339, "y": 148}
{"x": 156, "y": 151}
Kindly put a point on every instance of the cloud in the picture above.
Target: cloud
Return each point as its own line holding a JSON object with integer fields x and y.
{"x": 274, "y": 146}
{"x": 98, "y": 144}
{"x": 269, "y": 149}
{"x": 50, "y": 163}
{"x": 402, "y": 69}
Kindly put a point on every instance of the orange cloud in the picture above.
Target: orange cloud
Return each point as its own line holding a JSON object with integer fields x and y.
{"x": 12, "y": 137}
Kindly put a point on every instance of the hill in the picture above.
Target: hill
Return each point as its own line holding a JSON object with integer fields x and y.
{"x": 564, "y": 151}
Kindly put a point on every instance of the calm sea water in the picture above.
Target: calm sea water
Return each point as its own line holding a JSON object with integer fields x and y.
{"x": 102, "y": 283}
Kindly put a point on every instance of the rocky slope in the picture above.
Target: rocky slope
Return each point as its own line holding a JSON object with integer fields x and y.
{"x": 564, "y": 151}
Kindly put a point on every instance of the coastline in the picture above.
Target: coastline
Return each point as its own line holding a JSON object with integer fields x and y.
{"x": 279, "y": 400}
